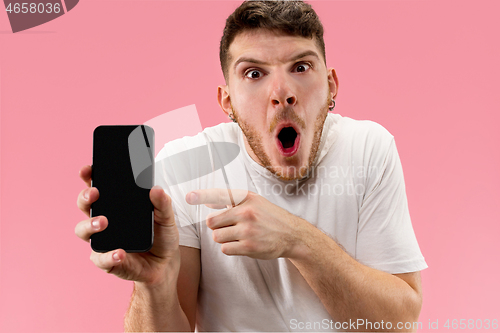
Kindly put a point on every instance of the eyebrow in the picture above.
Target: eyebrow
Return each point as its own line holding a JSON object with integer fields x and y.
{"x": 259, "y": 62}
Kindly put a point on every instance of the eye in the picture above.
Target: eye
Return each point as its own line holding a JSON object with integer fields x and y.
{"x": 253, "y": 74}
{"x": 302, "y": 67}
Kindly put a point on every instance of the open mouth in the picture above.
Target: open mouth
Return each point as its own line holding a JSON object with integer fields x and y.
{"x": 288, "y": 141}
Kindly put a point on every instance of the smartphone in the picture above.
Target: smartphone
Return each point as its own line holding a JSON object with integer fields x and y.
{"x": 123, "y": 172}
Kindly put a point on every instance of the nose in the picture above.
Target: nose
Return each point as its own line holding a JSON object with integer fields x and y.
{"x": 290, "y": 101}
{"x": 282, "y": 93}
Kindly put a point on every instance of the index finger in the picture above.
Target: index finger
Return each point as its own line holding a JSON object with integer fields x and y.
{"x": 86, "y": 174}
{"x": 216, "y": 196}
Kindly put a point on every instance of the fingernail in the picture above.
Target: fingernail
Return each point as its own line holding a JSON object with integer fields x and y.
{"x": 86, "y": 194}
{"x": 95, "y": 223}
{"x": 116, "y": 257}
{"x": 193, "y": 197}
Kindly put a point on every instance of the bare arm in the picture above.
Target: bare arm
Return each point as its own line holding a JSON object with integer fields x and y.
{"x": 155, "y": 309}
{"x": 171, "y": 305}
{"x": 352, "y": 291}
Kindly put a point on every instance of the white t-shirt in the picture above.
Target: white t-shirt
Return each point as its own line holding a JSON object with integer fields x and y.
{"x": 356, "y": 195}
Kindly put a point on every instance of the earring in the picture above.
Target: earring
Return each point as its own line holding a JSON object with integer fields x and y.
{"x": 232, "y": 118}
{"x": 330, "y": 107}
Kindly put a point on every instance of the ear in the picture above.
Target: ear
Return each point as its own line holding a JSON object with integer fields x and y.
{"x": 224, "y": 99}
{"x": 333, "y": 82}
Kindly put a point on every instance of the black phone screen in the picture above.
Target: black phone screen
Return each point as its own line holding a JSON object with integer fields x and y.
{"x": 123, "y": 172}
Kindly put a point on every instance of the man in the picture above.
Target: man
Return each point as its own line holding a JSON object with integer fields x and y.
{"x": 306, "y": 229}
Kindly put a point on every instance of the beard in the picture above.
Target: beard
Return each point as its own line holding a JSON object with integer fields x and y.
{"x": 255, "y": 141}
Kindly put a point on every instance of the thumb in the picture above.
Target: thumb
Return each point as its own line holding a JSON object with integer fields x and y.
{"x": 164, "y": 213}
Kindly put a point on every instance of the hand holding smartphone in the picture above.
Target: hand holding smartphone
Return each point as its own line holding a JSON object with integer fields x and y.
{"x": 123, "y": 172}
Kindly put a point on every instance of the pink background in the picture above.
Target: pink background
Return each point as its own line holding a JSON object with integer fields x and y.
{"x": 426, "y": 70}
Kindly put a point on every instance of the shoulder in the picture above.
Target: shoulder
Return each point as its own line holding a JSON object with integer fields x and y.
{"x": 224, "y": 132}
{"x": 364, "y": 135}
{"x": 364, "y": 143}
{"x": 365, "y": 129}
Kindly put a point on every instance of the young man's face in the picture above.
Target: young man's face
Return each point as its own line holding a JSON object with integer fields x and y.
{"x": 279, "y": 90}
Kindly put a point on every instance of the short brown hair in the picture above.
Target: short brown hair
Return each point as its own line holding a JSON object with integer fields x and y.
{"x": 295, "y": 18}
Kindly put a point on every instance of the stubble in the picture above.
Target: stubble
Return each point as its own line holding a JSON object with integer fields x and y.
{"x": 255, "y": 141}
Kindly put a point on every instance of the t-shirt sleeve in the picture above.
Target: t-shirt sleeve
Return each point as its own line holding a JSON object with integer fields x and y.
{"x": 385, "y": 239}
{"x": 188, "y": 231}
